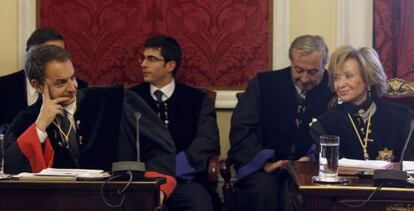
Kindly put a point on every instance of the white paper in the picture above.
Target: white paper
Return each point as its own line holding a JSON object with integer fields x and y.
{"x": 408, "y": 166}
{"x": 369, "y": 164}
{"x": 70, "y": 172}
{"x": 76, "y": 173}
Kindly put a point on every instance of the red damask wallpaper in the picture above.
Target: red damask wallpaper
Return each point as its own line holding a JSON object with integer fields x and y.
{"x": 394, "y": 36}
{"x": 225, "y": 42}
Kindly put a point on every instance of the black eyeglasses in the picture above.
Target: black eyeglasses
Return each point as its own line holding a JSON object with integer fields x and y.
{"x": 151, "y": 59}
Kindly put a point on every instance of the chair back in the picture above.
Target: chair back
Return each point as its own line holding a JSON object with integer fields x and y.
{"x": 210, "y": 93}
{"x": 401, "y": 92}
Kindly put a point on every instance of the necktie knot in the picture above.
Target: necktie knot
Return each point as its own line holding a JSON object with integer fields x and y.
{"x": 158, "y": 94}
{"x": 302, "y": 95}
{"x": 63, "y": 120}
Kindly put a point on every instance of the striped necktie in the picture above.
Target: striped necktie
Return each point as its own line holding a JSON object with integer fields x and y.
{"x": 162, "y": 107}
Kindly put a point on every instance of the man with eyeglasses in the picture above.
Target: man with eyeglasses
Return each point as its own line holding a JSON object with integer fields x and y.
{"x": 270, "y": 125}
{"x": 189, "y": 116}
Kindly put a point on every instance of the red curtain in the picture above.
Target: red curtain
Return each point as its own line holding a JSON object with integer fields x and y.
{"x": 394, "y": 36}
{"x": 225, "y": 42}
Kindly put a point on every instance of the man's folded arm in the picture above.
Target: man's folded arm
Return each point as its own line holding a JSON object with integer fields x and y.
{"x": 246, "y": 150}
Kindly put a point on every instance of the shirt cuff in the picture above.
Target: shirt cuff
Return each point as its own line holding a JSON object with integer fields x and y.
{"x": 42, "y": 135}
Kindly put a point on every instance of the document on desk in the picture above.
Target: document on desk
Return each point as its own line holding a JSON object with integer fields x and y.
{"x": 64, "y": 174}
{"x": 408, "y": 166}
{"x": 352, "y": 166}
{"x": 369, "y": 164}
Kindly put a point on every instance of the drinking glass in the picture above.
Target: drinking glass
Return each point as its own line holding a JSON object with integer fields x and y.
{"x": 328, "y": 158}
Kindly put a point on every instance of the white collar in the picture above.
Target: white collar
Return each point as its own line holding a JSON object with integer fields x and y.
{"x": 300, "y": 92}
{"x": 71, "y": 108}
{"x": 167, "y": 90}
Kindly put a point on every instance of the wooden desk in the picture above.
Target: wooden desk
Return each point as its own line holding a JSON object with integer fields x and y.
{"x": 77, "y": 195}
{"x": 308, "y": 196}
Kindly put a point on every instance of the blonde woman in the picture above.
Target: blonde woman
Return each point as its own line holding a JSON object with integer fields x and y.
{"x": 369, "y": 126}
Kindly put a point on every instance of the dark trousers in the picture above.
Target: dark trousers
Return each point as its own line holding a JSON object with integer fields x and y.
{"x": 262, "y": 191}
{"x": 189, "y": 196}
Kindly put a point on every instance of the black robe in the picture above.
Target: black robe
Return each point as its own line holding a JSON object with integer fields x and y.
{"x": 105, "y": 125}
{"x": 192, "y": 124}
{"x": 390, "y": 125}
{"x": 263, "y": 124}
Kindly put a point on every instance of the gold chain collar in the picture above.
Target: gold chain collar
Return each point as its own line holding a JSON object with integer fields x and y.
{"x": 364, "y": 144}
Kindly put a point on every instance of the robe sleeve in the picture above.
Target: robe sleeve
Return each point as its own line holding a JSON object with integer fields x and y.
{"x": 205, "y": 145}
{"x": 30, "y": 149}
{"x": 246, "y": 150}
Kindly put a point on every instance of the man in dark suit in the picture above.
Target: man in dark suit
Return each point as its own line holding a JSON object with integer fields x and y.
{"x": 189, "y": 116}
{"x": 16, "y": 93}
{"x": 271, "y": 121}
{"x": 88, "y": 128}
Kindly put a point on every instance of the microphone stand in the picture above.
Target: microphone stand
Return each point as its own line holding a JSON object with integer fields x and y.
{"x": 135, "y": 169}
{"x": 406, "y": 145}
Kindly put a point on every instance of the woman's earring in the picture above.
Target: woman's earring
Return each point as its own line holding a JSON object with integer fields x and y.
{"x": 369, "y": 92}
{"x": 340, "y": 101}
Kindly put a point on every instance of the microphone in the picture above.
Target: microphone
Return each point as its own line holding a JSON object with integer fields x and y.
{"x": 137, "y": 117}
{"x": 406, "y": 144}
{"x": 131, "y": 169}
{"x": 394, "y": 178}
{"x": 316, "y": 130}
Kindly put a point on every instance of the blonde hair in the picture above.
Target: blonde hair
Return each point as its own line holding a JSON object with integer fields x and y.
{"x": 370, "y": 67}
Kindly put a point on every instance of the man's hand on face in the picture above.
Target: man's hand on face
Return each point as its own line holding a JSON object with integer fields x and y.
{"x": 50, "y": 108}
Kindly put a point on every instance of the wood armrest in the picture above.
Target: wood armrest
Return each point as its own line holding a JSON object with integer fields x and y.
{"x": 225, "y": 172}
{"x": 213, "y": 169}
{"x": 225, "y": 169}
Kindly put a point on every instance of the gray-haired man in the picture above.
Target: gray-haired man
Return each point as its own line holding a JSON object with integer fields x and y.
{"x": 270, "y": 124}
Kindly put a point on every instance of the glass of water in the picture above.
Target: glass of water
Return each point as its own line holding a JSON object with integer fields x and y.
{"x": 328, "y": 160}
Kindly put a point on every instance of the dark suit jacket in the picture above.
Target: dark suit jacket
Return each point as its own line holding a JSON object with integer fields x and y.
{"x": 13, "y": 96}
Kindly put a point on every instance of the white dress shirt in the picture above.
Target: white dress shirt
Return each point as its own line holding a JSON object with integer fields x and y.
{"x": 301, "y": 93}
{"x": 167, "y": 90}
